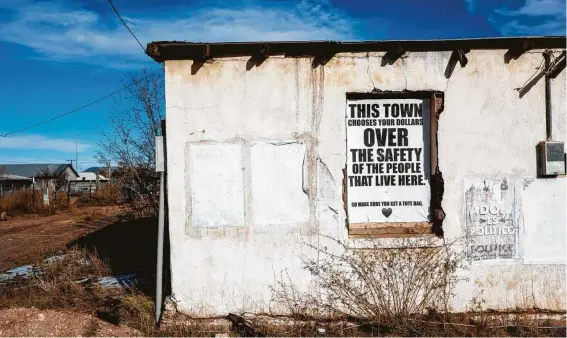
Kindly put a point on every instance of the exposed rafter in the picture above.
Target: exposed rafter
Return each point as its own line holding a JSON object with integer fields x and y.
{"x": 173, "y": 50}
{"x": 518, "y": 50}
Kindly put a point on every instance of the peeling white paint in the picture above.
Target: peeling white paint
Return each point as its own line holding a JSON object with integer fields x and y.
{"x": 326, "y": 189}
{"x": 283, "y": 123}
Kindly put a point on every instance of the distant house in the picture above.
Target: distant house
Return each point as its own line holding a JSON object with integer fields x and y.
{"x": 54, "y": 176}
{"x": 86, "y": 181}
{"x": 90, "y": 177}
{"x": 9, "y": 183}
{"x": 113, "y": 175}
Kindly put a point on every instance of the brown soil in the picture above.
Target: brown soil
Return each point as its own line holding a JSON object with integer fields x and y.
{"x": 26, "y": 237}
{"x": 51, "y": 323}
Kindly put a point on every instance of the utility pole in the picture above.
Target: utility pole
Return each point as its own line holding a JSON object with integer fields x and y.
{"x": 77, "y": 151}
{"x": 548, "y": 121}
{"x": 69, "y": 184}
{"x": 33, "y": 193}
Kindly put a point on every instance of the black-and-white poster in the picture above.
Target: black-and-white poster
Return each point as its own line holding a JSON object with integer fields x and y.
{"x": 388, "y": 160}
{"x": 492, "y": 232}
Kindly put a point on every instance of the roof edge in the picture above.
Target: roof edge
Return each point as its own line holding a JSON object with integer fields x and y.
{"x": 181, "y": 50}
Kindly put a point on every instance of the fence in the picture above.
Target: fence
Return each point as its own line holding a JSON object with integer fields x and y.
{"x": 85, "y": 188}
{"x": 32, "y": 201}
{"x": 140, "y": 192}
{"x": 41, "y": 198}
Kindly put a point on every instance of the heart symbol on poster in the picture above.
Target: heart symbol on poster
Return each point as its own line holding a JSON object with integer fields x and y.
{"x": 386, "y": 212}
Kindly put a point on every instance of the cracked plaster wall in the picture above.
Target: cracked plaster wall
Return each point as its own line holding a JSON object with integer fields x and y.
{"x": 281, "y": 128}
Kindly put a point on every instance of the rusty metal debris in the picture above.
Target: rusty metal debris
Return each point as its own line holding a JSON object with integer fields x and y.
{"x": 107, "y": 282}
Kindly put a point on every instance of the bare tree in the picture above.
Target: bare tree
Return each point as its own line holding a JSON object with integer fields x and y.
{"x": 61, "y": 181}
{"x": 129, "y": 139}
{"x": 43, "y": 172}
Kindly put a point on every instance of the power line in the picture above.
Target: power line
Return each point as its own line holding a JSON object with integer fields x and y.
{"x": 95, "y": 101}
{"x": 125, "y": 25}
{"x": 42, "y": 162}
{"x": 73, "y": 110}
{"x": 128, "y": 28}
{"x": 70, "y": 111}
{"x": 92, "y": 102}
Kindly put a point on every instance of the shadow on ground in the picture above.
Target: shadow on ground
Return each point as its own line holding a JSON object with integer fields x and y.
{"x": 130, "y": 248}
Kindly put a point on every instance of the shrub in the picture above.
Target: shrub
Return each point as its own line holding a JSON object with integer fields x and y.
{"x": 22, "y": 202}
{"x": 106, "y": 194}
{"x": 376, "y": 283}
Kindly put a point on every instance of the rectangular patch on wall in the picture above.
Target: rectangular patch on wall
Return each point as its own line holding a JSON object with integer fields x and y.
{"x": 491, "y": 229}
{"x": 216, "y": 183}
{"x": 278, "y": 182}
{"x": 388, "y": 160}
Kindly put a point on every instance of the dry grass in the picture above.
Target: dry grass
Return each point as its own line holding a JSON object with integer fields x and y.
{"x": 107, "y": 194}
{"x": 21, "y": 202}
{"x": 28, "y": 202}
{"x": 57, "y": 287}
{"x": 91, "y": 215}
{"x": 376, "y": 283}
{"x": 137, "y": 311}
{"x": 401, "y": 290}
{"x": 498, "y": 328}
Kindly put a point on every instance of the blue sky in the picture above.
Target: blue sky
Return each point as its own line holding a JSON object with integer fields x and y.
{"x": 58, "y": 55}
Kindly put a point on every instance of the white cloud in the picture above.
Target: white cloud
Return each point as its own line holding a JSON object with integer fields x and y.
{"x": 547, "y": 28}
{"x": 40, "y": 142}
{"x": 535, "y": 17}
{"x": 71, "y": 33}
{"x": 537, "y": 8}
{"x": 471, "y": 5}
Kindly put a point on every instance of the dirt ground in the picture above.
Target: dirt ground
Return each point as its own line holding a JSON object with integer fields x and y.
{"x": 26, "y": 237}
{"x": 51, "y": 323}
{"x": 104, "y": 231}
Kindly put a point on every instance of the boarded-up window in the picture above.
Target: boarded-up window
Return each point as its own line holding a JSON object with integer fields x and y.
{"x": 391, "y": 156}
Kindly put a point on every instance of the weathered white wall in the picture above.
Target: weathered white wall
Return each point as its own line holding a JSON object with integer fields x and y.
{"x": 255, "y": 163}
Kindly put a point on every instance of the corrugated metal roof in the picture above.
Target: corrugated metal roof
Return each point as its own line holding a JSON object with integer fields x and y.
{"x": 183, "y": 50}
{"x": 88, "y": 176}
{"x": 36, "y": 170}
{"x": 95, "y": 169}
{"x": 10, "y": 177}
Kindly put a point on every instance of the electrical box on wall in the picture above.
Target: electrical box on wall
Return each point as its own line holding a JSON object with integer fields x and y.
{"x": 552, "y": 158}
{"x": 160, "y": 159}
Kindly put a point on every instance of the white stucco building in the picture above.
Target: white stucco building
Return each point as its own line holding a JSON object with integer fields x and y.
{"x": 259, "y": 142}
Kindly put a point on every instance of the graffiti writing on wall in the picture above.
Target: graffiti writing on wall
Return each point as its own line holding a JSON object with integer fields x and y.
{"x": 491, "y": 229}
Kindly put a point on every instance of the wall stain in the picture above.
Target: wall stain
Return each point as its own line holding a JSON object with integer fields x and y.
{"x": 342, "y": 79}
{"x": 521, "y": 65}
{"x": 540, "y": 287}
